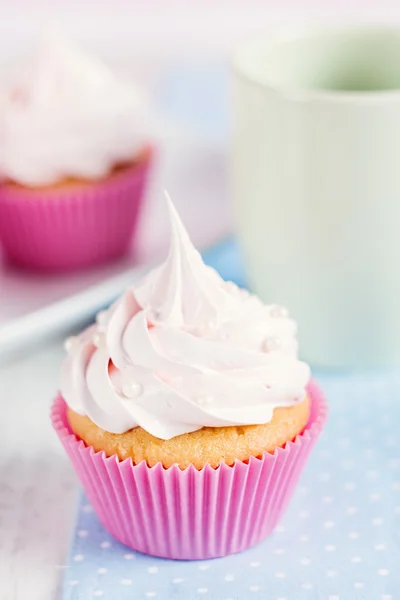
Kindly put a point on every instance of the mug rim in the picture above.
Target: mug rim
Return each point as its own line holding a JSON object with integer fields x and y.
{"x": 279, "y": 35}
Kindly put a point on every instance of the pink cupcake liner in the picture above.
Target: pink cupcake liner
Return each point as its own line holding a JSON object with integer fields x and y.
{"x": 75, "y": 226}
{"x": 191, "y": 514}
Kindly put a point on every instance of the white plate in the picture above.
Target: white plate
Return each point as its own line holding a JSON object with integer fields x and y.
{"x": 191, "y": 165}
{"x": 36, "y": 306}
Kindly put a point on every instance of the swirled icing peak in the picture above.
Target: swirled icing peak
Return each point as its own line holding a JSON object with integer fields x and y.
{"x": 66, "y": 115}
{"x": 183, "y": 292}
{"x": 183, "y": 350}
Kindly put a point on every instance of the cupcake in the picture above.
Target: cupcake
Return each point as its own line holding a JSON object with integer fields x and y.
{"x": 74, "y": 160}
{"x": 186, "y": 412}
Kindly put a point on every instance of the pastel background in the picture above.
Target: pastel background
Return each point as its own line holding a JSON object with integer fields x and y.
{"x": 180, "y": 49}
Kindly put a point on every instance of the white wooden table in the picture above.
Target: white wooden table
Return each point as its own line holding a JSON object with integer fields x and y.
{"x": 37, "y": 485}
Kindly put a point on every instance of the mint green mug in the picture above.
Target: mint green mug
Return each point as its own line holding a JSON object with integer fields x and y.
{"x": 316, "y": 182}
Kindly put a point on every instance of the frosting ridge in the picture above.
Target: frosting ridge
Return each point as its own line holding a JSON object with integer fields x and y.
{"x": 184, "y": 350}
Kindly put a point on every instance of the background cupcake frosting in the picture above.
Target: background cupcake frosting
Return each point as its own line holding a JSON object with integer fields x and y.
{"x": 75, "y": 158}
{"x": 187, "y": 351}
{"x": 66, "y": 115}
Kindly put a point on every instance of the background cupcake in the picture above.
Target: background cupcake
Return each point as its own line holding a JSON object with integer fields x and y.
{"x": 74, "y": 158}
{"x": 189, "y": 414}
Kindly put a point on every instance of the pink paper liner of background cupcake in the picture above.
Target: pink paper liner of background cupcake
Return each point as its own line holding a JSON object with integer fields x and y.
{"x": 78, "y": 225}
{"x": 191, "y": 514}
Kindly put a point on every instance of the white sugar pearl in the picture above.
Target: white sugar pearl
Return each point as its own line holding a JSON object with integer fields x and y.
{"x": 231, "y": 287}
{"x": 70, "y": 343}
{"x": 132, "y": 389}
{"x": 99, "y": 339}
{"x": 279, "y": 312}
{"x": 206, "y": 327}
{"x": 204, "y": 400}
{"x": 101, "y": 317}
{"x": 271, "y": 344}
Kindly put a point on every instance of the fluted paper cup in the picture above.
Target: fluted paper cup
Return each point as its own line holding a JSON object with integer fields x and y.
{"x": 191, "y": 514}
{"x": 76, "y": 225}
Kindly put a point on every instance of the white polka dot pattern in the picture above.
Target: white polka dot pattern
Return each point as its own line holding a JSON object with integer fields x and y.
{"x": 339, "y": 540}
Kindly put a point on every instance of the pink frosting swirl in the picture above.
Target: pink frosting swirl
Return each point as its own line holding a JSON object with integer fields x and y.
{"x": 184, "y": 350}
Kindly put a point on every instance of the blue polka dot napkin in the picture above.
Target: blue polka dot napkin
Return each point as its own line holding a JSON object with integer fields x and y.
{"x": 339, "y": 540}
